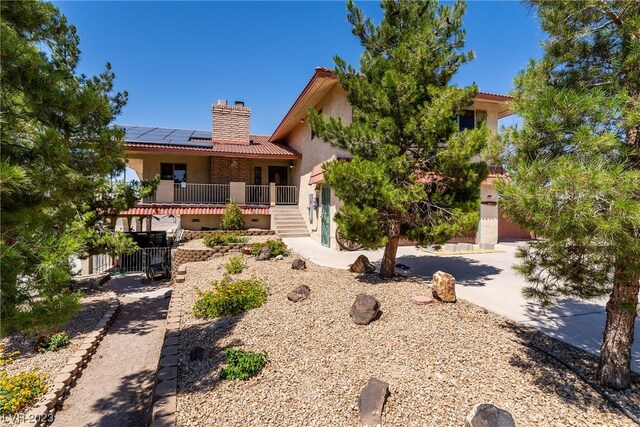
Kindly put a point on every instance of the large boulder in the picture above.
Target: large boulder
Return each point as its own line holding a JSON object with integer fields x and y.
{"x": 298, "y": 264}
{"x": 362, "y": 265}
{"x": 487, "y": 415}
{"x": 371, "y": 402}
{"x": 443, "y": 286}
{"x": 364, "y": 309}
{"x": 264, "y": 254}
{"x": 300, "y": 293}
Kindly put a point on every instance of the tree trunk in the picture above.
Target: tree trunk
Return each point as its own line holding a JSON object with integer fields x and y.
{"x": 614, "y": 370}
{"x": 388, "y": 267}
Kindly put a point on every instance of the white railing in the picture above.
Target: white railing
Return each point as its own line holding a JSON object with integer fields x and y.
{"x": 286, "y": 195}
{"x": 201, "y": 193}
{"x": 256, "y": 194}
{"x": 150, "y": 198}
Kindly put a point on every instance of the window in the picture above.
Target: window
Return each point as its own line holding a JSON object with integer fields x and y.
{"x": 471, "y": 119}
{"x": 175, "y": 171}
{"x": 257, "y": 175}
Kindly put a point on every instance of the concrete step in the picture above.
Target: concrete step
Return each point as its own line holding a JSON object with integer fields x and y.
{"x": 290, "y": 227}
{"x": 286, "y": 235}
{"x": 300, "y": 223}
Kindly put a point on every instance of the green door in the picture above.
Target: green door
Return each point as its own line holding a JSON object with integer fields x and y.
{"x": 325, "y": 217}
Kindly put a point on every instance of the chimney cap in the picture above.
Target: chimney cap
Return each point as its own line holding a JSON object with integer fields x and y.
{"x": 240, "y": 103}
{"x": 222, "y": 102}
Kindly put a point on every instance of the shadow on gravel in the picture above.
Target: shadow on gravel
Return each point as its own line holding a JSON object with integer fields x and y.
{"x": 468, "y": 272}
{"x": 129, "y": 405}
{"x": 551, "y": 376}
{"x": 198, "y": 375}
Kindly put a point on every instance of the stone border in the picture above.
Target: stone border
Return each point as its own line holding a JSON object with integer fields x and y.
{"x": 198, "y": 234}
{"x": 164, "y": 404}
{"x": 42, "y": 413}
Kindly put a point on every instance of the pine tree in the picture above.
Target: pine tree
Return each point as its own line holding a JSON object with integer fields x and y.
{"x": 575, "y": 166}
{"x": 411, "y": 173}
{"x": 59, "y": 154}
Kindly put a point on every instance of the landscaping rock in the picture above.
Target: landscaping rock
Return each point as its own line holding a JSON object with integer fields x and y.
{"x": 365, "y": 309}
{"x": 199, "y": 353}
{"x": 362, "y": 265}
{"x": 371, "y": 402}
{"x": 279, "y": 258}
{"x": 487, "y": 415}
{"x": 298, "y": 264}
{"x": 444, "y": 286}
{"x": 299, "y": 294}
{"x": 421, "y": 300}
{"x": 264, "y": 254}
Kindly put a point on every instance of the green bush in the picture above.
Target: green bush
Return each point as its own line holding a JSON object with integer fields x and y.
{"x": 229, "y": 297}
{"x": 53, "y": 342}
{"x": 277, "y": 247}
{"x": 235, "y": 265}
{"x": 242, "y": 365}
{"x": 223, "y": 239}
{"x": 20, "y": 390}
{"x": 232, "y": 217}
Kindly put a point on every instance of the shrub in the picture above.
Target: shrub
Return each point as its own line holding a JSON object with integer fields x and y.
{"x": 277, "y": 247}
{"x": 242, "y": 365}
{"x": 5, "y": 357}
{"x": 230, "y": 297}
{"x": 20, "y": 390}
{"x": 232, "y": 217}
{"x": 223, "y": 239}
{"x": 54, "y": 342}
{"x": 235, "y": 265}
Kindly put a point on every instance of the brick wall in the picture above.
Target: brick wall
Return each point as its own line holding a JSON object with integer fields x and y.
{"x": 225, "y": 170}
{"x": 231, "y": 123}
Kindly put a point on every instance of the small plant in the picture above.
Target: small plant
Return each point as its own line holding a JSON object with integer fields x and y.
{"x": 20, "y": 390}
{"x": 6, "y": 357}
{"x": 276, "y": 247}
{"x": 223, "y": 239}
{"x": 229, "y": 297}
{"x": 232, "y": 217}
{"x": 235, "y": 265}
{"x": 53, "y": 342}
{"x": 242, "y": 365}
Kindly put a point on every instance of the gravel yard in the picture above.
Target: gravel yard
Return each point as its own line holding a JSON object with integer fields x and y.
{"x": 198, "y": 244}
{"x": 439, "y": 359}
{"x": 94, "y": 304}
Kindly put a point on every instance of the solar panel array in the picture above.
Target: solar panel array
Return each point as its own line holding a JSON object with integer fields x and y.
{"x": 166, "y": 136}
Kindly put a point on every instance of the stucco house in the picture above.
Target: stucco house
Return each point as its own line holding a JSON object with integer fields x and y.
{"x": 277, "y": 180}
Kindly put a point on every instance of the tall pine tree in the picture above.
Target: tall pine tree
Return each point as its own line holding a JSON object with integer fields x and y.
{"x": 411, "y": 172}
{"x": 58, "y": 156}
{"x": 575, "y": 166}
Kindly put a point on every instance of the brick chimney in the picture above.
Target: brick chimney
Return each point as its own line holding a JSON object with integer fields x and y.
{"x": 230, "y": 123}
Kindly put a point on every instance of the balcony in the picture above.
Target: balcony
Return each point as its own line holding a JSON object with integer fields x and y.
{"x": 220, "y": 194}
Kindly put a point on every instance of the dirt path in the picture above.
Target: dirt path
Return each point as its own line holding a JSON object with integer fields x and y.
{"x": 115, "y": 388}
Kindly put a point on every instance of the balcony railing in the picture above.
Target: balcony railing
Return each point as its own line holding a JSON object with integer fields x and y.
{"x": 256, "y": 194}
{"x": 201, "y": 193}
{"x": 220, "y": 194}
{"x": 286, "y": 195}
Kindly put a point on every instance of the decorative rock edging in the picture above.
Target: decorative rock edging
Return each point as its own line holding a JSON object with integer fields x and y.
{"x": 195, "y": 234}
{"x": 66, "y": 378}
{"x": 164, "y": 405}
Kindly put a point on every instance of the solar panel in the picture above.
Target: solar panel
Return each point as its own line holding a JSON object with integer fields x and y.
{"x": 166, "y": 136}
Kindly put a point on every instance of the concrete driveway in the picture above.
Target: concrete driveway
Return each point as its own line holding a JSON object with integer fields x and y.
{"x": 489, "y": 281}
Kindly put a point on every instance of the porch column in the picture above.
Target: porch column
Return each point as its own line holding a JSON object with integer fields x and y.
{"x": 164, "y": 192}
{"x": 148, "y": 221}
{"x": 237, "y": 192}
{"x": 126, "y": 224}
{"x": 86, "y": 265}
{"x": 272, "y": 193}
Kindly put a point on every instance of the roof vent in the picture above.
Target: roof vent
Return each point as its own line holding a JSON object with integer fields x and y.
{"x": 222, "y": 102}
{"x": 240, "y": 103}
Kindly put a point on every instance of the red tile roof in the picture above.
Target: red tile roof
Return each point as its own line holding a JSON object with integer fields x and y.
{"x": 184, "y": 209}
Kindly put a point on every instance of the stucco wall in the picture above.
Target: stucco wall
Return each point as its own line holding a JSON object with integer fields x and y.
{"x": 488, "y": 227}
{"x": 213, "y": 221}
{"x": 198, "y": 167}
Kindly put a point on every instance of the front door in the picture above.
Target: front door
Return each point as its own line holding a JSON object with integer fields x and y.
{"x": 278, "y": 174}
{"x": 325, "y": 217}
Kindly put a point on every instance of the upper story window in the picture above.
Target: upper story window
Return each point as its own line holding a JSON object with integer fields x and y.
{"x": 257, "y": 175}
{"x": 175, "y": 171}
{"x": 471, "y": 119}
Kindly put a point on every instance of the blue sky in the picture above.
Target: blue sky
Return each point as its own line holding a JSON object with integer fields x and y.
{"x": 177, "y": 58}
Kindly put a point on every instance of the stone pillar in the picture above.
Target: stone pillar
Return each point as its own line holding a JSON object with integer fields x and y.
{"x": 86, "y": 265}
{"x": 237, "y": 192}
{"x": 164, "y": 192}
{"x": 148, "y": 221}
{"x": 272, "y": 193}
{"x": 126, "y": 224}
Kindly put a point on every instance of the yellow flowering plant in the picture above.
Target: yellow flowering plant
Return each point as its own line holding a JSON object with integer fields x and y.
{"x": 20, "y": 390}
{"x": 7, "y": 357}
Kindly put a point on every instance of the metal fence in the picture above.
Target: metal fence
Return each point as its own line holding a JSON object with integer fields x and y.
{"x": 201, "y": 193}
{"x": 135, "y": 262}
{"x": 257, "y": 194}
{"x": 286, "y": 195}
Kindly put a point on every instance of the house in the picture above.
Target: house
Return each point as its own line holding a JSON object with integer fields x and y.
{"x": 277, "y": 180}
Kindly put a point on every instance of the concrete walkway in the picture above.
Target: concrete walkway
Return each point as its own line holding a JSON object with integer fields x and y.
{"x": 115, "y": 388}
{"x": 489, "y": 281}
